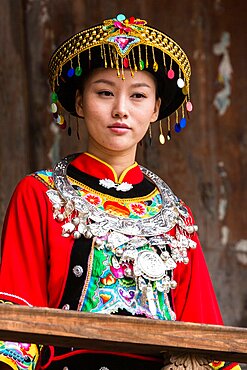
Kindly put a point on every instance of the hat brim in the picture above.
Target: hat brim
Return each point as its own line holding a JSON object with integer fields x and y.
{"x": 171, "y": 95}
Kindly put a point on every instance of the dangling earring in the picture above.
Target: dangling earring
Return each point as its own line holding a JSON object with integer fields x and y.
{"x": 161, "y": 137}
{"x": 69, "y": 126}
{"x": 168, "y": 136}
{"x": 77, "y": 128}
{"x": 150, "y": 134}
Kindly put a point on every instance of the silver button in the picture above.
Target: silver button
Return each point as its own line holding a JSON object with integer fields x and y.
{"x": 78, "y": 270}
{"x": 66, "y": 307}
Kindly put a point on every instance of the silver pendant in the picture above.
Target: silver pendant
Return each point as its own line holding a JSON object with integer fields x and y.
{"x": 151, "y": 265}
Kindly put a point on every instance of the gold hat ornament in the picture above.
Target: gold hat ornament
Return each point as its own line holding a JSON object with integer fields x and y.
{"x": 122, "y": 43}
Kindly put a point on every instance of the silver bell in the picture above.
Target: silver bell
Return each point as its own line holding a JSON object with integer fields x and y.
{"x": 76, "y": 221}
{"x": 60, "y": 217}
{"x": 76, "y": 234}
{"x": 88, "y": 234}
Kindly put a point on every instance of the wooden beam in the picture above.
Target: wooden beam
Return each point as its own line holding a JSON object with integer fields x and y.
{"x": 120, "y": 333}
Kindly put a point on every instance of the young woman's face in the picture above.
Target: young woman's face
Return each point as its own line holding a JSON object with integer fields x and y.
{"x": 117, "y": 112}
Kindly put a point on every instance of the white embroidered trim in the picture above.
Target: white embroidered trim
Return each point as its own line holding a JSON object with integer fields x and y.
{"x": 16, "y": 296}
{"x": 108, "y": 184}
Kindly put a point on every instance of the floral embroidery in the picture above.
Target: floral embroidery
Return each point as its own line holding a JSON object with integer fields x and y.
{"x": 143, "y": 207}
{"x": 138, "y": 208}
{"x": 93, "y": 199}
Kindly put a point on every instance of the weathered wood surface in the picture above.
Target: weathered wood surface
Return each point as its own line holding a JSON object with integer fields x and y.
{"x": 123, "y": 334}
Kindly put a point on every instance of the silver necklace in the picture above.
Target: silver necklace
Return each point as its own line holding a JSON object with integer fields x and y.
{"x": 99, "y": 222}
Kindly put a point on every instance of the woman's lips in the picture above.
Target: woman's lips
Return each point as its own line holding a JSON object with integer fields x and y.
{"x": 119, "y": 127}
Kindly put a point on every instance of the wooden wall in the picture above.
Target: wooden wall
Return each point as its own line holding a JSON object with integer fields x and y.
{"x": 205, "y": 164}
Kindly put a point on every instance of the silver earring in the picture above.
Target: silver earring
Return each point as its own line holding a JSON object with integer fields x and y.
{"x": 150, "y": 134}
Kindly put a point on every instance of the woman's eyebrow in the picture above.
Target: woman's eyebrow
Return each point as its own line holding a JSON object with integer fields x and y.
{"x": 102, "y": 80}
{"x": 140, "y": 84}
{"x": 112, "y": 83}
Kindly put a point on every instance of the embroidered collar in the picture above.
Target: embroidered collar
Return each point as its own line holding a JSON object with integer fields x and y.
{"x": 169, "y": 215}
{"x": 94, "y": 166}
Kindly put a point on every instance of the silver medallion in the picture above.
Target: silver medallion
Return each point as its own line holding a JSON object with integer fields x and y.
{"x": 151, "y": 265}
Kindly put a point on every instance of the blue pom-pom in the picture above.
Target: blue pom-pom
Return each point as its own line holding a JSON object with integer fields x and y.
{"x": 177, "y": 127}
{"x": 71, "y": 72}
{"x": 182, "y": 122}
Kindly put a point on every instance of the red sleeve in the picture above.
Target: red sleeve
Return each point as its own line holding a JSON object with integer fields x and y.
{"x": 25, "y": 259}
{"x": 194, "y": 298}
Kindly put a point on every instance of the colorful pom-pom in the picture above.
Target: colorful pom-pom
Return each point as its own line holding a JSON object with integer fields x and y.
{"x": 182, "y": 122}
{"x": 189, "y": 106}
{"x": 177, "y": 128}
{"x": 170, "y": 74}
{"x": 180, "y": 83}
{"x": 162, "y": 139}
{"x": 53, "y": 107}
{"x": 54, "y": 97}
{"x": 78, "y": 71}
{"x": 60, "y": 121}
{"x": 120, "y": 17}
{"x": 71, "y": 72}
{"x": 185, "y": 90}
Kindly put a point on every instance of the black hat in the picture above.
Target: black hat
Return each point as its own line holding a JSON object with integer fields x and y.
{"x": 122, "y": 43}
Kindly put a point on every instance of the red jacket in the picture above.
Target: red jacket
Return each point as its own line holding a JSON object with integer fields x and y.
{"x": 35, "y": 257}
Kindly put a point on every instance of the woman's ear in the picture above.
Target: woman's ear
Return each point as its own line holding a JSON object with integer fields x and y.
{"x": 156, "y": 111}
{"x": 78, "y": 104}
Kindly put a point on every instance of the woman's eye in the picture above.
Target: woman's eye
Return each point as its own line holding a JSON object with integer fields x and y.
{"x": 138, "y": 95}
{"x": 105, "y": 93}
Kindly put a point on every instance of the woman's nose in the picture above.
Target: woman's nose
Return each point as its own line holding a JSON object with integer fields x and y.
{"x": 120, "y": 108}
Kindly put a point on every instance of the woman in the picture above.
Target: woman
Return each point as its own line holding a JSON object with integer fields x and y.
{"x": 100, "y": 233}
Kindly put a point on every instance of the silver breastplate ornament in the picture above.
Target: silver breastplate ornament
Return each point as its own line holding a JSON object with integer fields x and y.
{"x": 144, "y": 244}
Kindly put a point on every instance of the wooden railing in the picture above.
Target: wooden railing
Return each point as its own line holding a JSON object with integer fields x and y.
{"x": 177, "y": 342}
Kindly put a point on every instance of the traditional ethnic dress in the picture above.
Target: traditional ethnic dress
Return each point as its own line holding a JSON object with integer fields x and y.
{"x": 79, "y": 238}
